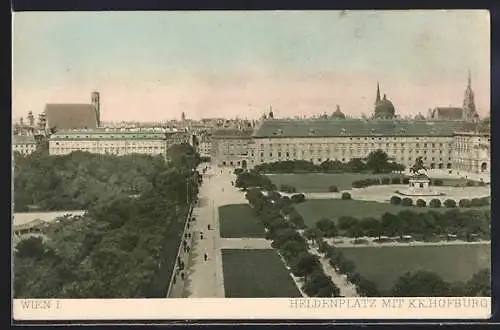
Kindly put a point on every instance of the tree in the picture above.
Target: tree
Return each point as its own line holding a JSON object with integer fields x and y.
{"x": 480, "y": 284}
{"x": 377, "y": 161}
{"x": 306, "y": 264}
{"x": 371, "y": 226}
{"x": 313, "y": 234}
{"x": 328, "y": 227}
{"x": 355, "y": 165}
{"x": 367, "y": 288}
{"x": 355, "y": 231}
{"x": 345, "y": 222}
{"x": 421, "y": 284}
{"x": 32, "y": 247}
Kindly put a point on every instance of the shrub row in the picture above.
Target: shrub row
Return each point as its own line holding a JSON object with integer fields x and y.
{"x": 434, "y": 203}
{"x": 291, "y": 245}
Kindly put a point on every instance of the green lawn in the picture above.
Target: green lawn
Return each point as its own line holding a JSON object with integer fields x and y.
{"x": 314, "y": 209}
{"x": 256, "y": 274}
{"x": 238, "y": 220}
{"x": 319, "y": 182}
{"x": 384, "y": 265}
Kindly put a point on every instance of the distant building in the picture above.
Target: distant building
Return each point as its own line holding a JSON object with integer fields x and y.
{"x": 384, "y": 109}
{"x": 108, "y": 141}
{"x": 338, "y": 114}
{"x": 73, "y": 116}
{"x": 466, "y": 113}
{"x": 24, "y": 144}
{"x": 230, "y": 147}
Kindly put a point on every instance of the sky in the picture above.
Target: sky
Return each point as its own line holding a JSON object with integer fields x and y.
{"x": 151, "y": 66}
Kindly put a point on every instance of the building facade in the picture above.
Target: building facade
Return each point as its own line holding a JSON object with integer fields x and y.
{"x": 471, "y": 152}
{"x": 24, "y": 144}
{"x": 231, "y": 147}
{"x": 320, "y": 140}
{"x": 108, "y": 141}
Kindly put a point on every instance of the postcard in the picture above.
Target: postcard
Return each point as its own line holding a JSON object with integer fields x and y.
{"x": 211, "y": 165}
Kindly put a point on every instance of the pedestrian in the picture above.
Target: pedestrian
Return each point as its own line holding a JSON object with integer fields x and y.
{"x": 182, "y": 276}
{"x": 206, "y": 257}
{"x": 189, "y": 235}
{"x": 201, "y": 236}
{"x": 188, "y": 249}
{"x": 208, "y": 227}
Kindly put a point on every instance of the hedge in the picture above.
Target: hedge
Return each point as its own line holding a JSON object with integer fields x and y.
{"x": 346, "y": 196}
{"x": 395, "y": 200}
{"x": 333, "y": 189}
{"x": 421, "y": 203}
{"x": 407, "y": 201}
{"x": 435, "y": 203}
{"x": 450, "y": 203}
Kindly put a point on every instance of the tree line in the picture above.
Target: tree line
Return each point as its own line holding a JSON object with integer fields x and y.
{"x": 292, "y": 247}
{"x": 124, "y": 246}
{"x": 376, "y": 162}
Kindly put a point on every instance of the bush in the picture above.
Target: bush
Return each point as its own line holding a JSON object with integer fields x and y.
{"x": 298, "y": 198}
{"x": 365, "y": 183}
{"x": 421, "y": 203}
{"x": 395, "y": 200}
{"x": 385, "y": 180}
{"x": 406, "y": 180}
{"x": 333, "y": 189}
{"x": 437, "y": 182}
{"x": 287, "y": 188}
{"x": 435, "y": 203}
{"x": 464, "y": 203}
{"x": 346, "y": 196}
{"x": 396, "y": 181}
{"x": 450, "y": 203}
{"x": 470, "y": 183}
{"x": 407, "y": 201}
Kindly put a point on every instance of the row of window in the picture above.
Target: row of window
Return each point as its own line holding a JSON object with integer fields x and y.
{"x": 326, "y": 145}
{"x": 321, "y": 159}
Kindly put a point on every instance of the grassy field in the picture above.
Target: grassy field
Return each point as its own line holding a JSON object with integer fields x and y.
{"x": 314, "y": 209}
{"x": 256, "y": 274}
{"x": 238, "y": 220}
{"x": 319, "y": 182}
{"x": 384, "y": 265}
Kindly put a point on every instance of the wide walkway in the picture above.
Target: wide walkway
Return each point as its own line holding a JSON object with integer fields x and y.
{"x": 205, "y": 278}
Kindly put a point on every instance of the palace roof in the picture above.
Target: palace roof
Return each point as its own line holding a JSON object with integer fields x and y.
{"x": 355, "y": 127}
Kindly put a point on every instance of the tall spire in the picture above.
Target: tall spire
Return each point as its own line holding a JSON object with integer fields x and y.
{"x": 377, "y": 100}
{"x": 469, "y": 80}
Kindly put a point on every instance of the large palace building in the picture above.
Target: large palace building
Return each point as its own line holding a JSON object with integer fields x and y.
{"x": 443, "y": 143}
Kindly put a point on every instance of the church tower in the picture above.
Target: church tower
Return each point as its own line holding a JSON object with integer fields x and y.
{"x": 97, "y": 106}
{"x": 377, "y": 99}
{"x": 469, "y": 106}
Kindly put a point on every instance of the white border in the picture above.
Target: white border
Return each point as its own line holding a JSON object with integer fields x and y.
{"x": 264, "y": 309}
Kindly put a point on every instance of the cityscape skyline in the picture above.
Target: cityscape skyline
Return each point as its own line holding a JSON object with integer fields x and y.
{"x": 300, "y": 63}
